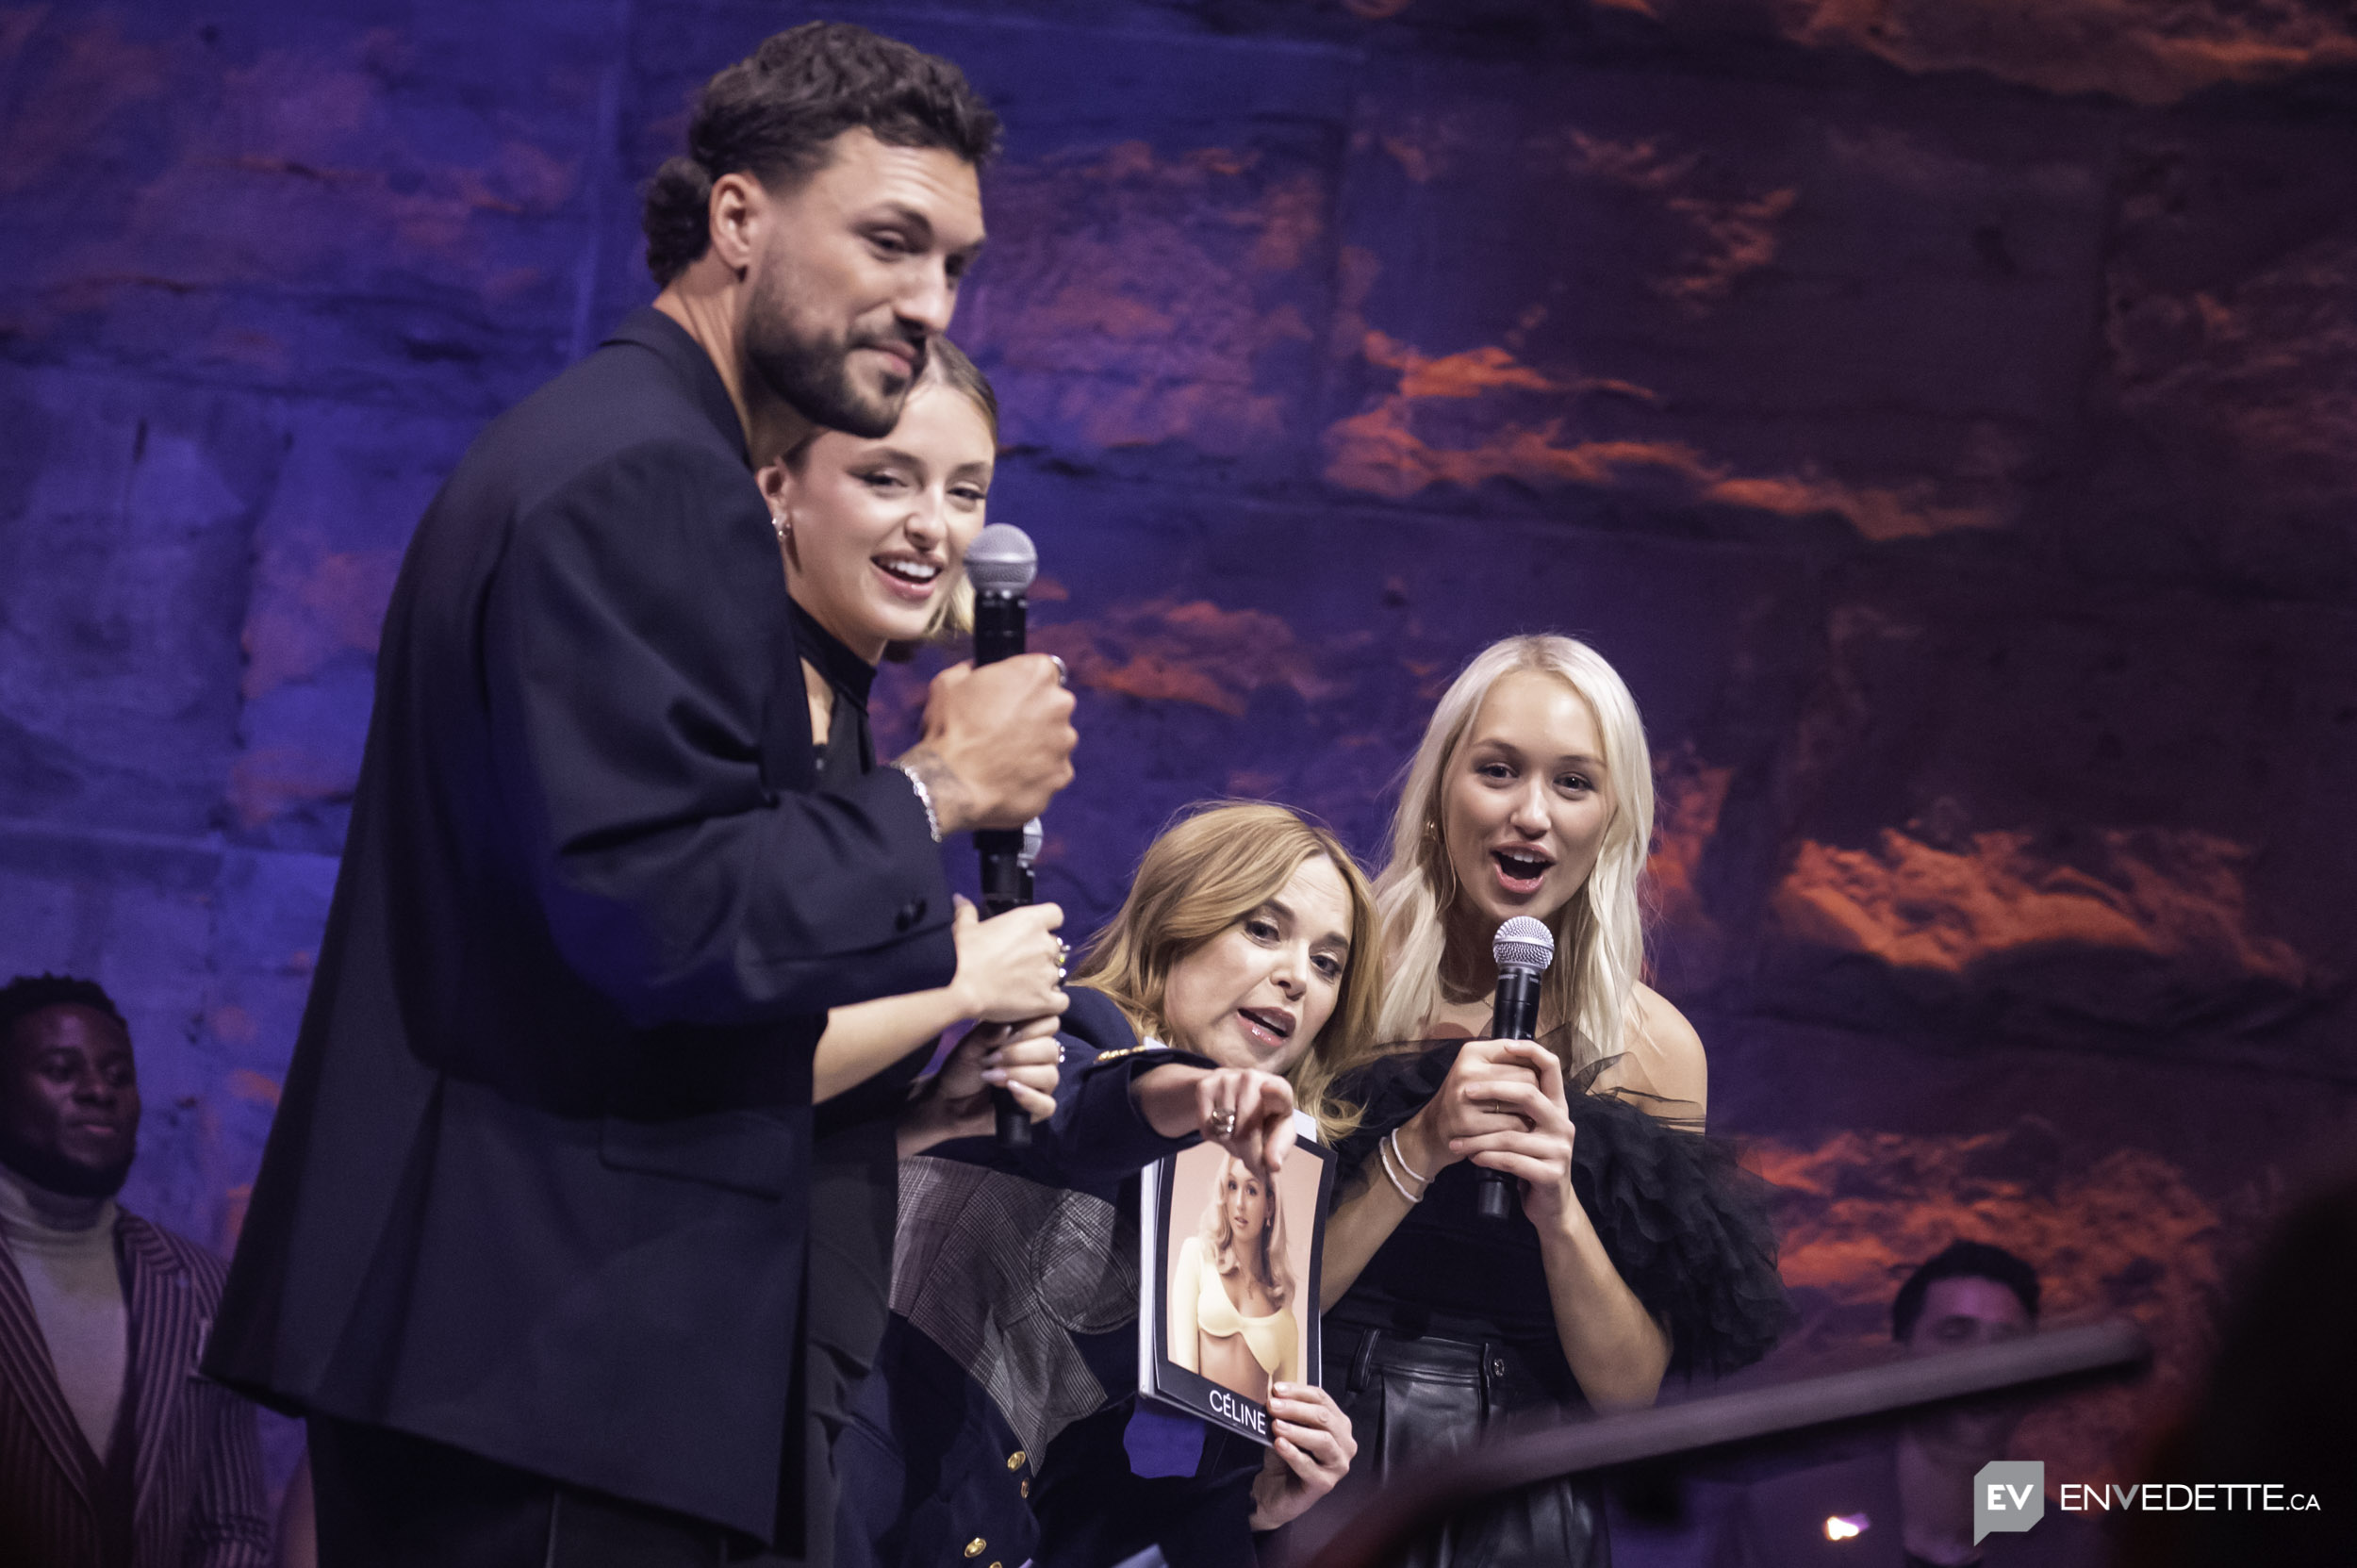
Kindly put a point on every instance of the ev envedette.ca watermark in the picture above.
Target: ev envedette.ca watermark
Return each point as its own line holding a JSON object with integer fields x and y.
{"x": 2010, "y": 1495}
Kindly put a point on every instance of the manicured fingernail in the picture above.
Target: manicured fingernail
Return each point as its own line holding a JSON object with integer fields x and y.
{"x": 994, "y": 1074}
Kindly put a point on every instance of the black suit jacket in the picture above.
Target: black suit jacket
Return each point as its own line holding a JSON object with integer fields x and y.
{"x": 195, "y": 1488}
{"x": 537, "y": 1185}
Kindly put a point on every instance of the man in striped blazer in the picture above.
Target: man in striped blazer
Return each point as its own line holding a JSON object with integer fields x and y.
{"x": 113, "y": 1453}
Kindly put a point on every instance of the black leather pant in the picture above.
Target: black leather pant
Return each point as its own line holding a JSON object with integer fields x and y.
{"x": 1414, "y": 1400}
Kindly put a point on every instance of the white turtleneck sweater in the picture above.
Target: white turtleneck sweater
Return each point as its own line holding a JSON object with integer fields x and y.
{"x": 64, "y": 1247}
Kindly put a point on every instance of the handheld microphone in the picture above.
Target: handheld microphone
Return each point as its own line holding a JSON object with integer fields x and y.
{"x": 1522, "y": 949}
{"x": 1000, "y": 563}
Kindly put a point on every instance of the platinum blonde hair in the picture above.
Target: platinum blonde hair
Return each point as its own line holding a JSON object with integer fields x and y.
{"x": 1272, "y": 1267}
{"x": 1599, "y": 933}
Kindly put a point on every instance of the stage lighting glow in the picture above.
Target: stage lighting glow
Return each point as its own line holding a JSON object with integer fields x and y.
{"x": 1846, "y": 1527}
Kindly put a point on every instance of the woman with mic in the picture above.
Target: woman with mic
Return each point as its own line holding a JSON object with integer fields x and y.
{"x": 874, "y": 534}
{"x": 1620, "y": 1243}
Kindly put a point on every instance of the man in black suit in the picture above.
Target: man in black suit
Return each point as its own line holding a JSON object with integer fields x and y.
{"x": 528, "y": 1243}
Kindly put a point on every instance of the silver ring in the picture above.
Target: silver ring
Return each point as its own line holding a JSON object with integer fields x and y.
{"x": 1064, "y": 952}
{"x": 1060, "y": 1053}
{"x": 1058, "y": 974}
{"x": 1060, "y": 670}
{"x": 1224, "y": 1124}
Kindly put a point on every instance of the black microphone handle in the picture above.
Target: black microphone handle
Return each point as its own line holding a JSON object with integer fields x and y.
{"x": 1001, "y": 626}
{"x": 1514, "y": 1016}
{"x": 1001, "y": 631}
{"x": 1007, "y": 884}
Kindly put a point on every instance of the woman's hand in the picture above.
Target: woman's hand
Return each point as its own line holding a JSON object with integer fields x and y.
{"x": 1537, "y": 1150}
{"x": 1009, "y": 966}
{"x": 1466, "y": 1107}
{"x": 1014, "y": 1057}
{"x": 1313, "y": 1451}
{"x": 1248, "y": 1114}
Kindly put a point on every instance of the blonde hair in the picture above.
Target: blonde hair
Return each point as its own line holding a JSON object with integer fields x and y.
{"x": 1599, "y": 932}
{"x": 1215, "y": 866}
{"x": 1219, "y": 1250}
{"x": 946, "y": 365}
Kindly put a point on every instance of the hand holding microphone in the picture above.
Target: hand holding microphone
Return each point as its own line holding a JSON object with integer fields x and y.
{"x": 997, "y": 738}
{"x": 1010, "y": 967}
{"x": 1001, "y": 564}
{"x": 1503, "y": 1105}
{"x": 1512, "y": 1079}
{"x": 1522, "y": 951}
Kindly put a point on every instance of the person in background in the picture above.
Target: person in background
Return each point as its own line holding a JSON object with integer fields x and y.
{"x": 1908, "y": 1503}
{"x": 113, "y": 1454}
{"x": 2277, "y": 1406}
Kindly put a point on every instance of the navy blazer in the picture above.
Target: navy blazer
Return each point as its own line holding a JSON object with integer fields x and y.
{"x": 538, "y": 1187}
{"x": 1014, "y": 1306}
{"x": 196, "y": 1492}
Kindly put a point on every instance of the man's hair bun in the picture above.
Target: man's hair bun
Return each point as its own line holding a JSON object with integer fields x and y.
{"x": 774, "y": 114}
{"x": 676, "y": 216}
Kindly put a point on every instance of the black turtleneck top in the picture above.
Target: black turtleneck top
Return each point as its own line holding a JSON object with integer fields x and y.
{"x": 854, "y": 1159}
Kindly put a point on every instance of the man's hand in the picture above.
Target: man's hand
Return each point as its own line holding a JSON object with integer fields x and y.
{"x": 997, "y": 743}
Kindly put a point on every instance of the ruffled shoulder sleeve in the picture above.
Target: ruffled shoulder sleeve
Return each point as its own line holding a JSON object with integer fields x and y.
{"x": 1685, "y": 1224}
{"x": 1388, "y": 1091}
{"x": 1686, "y": 1227}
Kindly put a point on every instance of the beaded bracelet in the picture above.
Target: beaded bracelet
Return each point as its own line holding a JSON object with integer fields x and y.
{"x": 924, "y": 798}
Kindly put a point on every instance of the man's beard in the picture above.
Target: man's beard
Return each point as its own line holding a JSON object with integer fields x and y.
{"x": 813, "y": 377}
{"x": 51, "y": 1173}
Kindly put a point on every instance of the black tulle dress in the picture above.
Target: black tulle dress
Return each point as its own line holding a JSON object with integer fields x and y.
{"x": 1448, "y": 1333}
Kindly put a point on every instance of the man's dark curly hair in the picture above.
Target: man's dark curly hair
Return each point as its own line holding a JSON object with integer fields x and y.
{"x": 1962, "y": 1261}
{"x": 28, "y": 994}
{"x": 773, "y": 114}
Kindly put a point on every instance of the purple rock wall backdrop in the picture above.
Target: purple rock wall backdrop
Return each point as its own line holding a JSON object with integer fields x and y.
{"x": 1944, "y": 413}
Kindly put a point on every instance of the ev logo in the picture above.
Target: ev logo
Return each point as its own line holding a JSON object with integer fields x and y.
{"x": 2008, "y": 1494}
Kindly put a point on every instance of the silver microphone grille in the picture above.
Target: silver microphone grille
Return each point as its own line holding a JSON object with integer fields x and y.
{"x": 1522, "y": 943}
{"x": 1033, "y": 836}
{"x": 1001, "y": 559}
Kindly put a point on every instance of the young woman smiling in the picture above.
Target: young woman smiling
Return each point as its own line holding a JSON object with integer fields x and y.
{"x": 874, "y": 534}
{"x": 1002, "y": 1423}
{"x": 1636, "y": 1244}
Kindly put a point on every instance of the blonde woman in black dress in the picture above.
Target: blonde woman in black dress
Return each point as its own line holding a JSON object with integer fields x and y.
{"x": 1636, "y": 1246}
